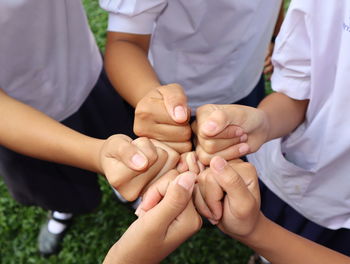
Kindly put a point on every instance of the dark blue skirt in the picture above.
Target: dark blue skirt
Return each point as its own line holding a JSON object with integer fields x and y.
{"x": 284, "y": 215}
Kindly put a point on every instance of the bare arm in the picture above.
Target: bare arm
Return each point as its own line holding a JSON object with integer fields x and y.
{"x": 283, "y": 113}
{"x": 242, "y": 219}
{"x": 281, "y": 246}
{"x": 30, "y": 132}
{"x": 161, "y": 112}
{"x": 128, "y": 66}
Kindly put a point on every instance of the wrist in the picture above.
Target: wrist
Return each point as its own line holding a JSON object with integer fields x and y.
{"x": 258, "y": 235}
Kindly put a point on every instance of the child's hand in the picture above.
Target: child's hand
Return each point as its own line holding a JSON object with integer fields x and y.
{"x": 162, "y": 229}
{"x": 229, "y": 131}
{"x": 189, "y": 162}
{"x": 163, "y": 114}
{"x": 241, "y": 203}
{"x": 129, "y": 165}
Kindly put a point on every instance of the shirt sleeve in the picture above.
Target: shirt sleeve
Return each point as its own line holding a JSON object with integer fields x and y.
{"x": 132, "y": 16}
{"x": 292, "y": 57}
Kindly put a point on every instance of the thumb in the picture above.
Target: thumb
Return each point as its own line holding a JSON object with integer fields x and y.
{"x": 231, "y": 182}
{"x": 220, "y": 121}
{"x": 175, "y": 200}
{"x": 175, "y": 102}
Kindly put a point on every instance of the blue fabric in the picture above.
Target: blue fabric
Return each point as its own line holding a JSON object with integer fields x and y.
{"x": 281, "y": 213}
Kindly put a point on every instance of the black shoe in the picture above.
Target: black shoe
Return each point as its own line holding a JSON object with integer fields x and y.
{"x": 49, "y": 243}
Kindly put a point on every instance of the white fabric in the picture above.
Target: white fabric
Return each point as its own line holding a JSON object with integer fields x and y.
{"x": 48, "y": 56}
{"x": 62, "y": 216}
{"x": 310, "y": 169}
{"x": 214, "y": 49}
{"x": 55, "y": 227}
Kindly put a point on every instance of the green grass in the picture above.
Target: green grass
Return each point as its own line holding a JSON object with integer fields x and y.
{"x": 91, "y": 235}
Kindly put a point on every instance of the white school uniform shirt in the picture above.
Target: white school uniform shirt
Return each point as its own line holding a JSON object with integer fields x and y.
{"x": 48, "y": 56}
{"x": 310, "y": 168}
{"x": 214, "y": 49}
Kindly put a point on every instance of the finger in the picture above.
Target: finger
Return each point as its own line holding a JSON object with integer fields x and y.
{"x": 268, "y": 69}
{"x": 175, "y": 102}
{"x": 201, "y": 206}
{"x": 212, "y": 146}
{"x": 165, "y": 132}
{"x": 120, "y": 147}
{"x": 212, "y": 193}
{"x": 226, "y": 115}
{"x": 267, "y": 61}
{"x": 218, "y": 124}
{"x": 173, "y": 157}
{"x": 187, "y": 223}
{"x": 131, "y": 189}
{"x": 155, "y": 193}
{"x": 231, "y": 182}
{"x": 117, "y": 173}
{"x": 177, "y": 197}
{"x": 249, "y": 175}
{"x": 230, "y": 153}
{"x": 182, "y": 166}
{"x": 180, "y": 147}
{"x": 148, "y": 149}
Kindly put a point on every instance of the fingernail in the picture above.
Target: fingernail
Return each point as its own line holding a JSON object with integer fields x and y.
{"x": 180, "y": 113}
{"x": 213, "y": 222}
{"x": 139, "y": 211}
{"x": 210, "y": 126}
{"x": 219, "y": 164}
{"x": 138, "y": 160}
{"x": 186, "y": 180}
{"x": 243, "y": 149}
{"x": 243, "y": 138}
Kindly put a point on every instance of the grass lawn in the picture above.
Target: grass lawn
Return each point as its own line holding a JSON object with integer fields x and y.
{"x": 91, "y": 235}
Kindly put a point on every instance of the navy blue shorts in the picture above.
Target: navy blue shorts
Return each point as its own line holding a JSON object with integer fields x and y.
{"x": 284, "y": 215}
{"x": 63, "y": 188}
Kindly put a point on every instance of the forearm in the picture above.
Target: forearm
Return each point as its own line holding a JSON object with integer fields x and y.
{"x": 128, "y": 67}
{"x": 281, "y": 246}
{"x": 28, "y": 131}
{"x": 283, "y": 113}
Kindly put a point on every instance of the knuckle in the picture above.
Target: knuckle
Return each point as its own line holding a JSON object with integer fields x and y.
{"x": 187, "y": 132}
{"x": 232, "y": 179}
{"x": 209, "y": 146}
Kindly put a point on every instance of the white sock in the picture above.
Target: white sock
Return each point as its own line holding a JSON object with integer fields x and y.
{"x": 62, "y": 216}
{"x": 56, "y": 227}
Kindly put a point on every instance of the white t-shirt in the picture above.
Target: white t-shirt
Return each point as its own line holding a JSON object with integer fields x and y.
{"x": 48, "y": 56}
{"x": 310, "y": 168}
{"x": 214, "y": 49}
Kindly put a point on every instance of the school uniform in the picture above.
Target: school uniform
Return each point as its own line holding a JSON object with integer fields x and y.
{"x": 214, "y": 49}
{"x": 308, "y": 170}
{"x": 50, "y": 61}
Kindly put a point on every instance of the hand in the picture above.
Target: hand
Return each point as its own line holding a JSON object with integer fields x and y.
{"x": 241, "y": 199}
{"x": 189, "y": 162}
{"x": 268, "y": 67}
{"x": 161, "y": 229}
{"x": 163, "y": 114}
{"x": 229, "y": 131}
{"x": 129, "y": 165}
